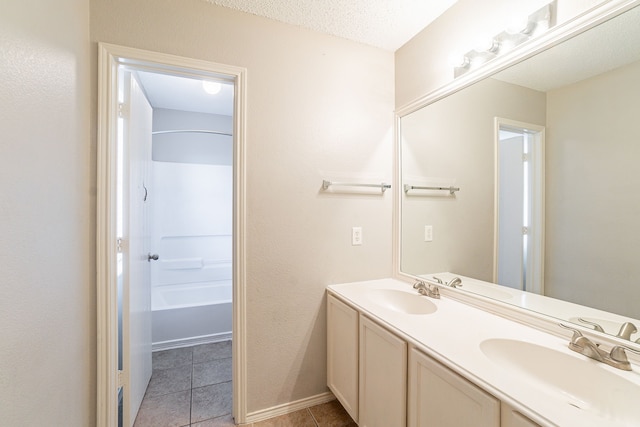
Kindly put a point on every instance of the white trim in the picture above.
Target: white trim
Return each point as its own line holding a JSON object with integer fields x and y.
{"x": 188, "y": 342}
{"x": 106, "y": 246}
{"x": 287, "y": 408}
{"x": 109, "y": 58}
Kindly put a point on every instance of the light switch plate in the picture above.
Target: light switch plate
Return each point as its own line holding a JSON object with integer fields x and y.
{"x": 356, "y": 236}
{"x": 428, "y": 233}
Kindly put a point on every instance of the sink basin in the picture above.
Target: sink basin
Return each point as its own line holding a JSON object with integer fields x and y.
{"x": 402, "y": 302}
{"x": 580, "y": 382}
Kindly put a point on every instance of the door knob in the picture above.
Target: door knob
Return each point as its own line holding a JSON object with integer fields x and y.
{"x": 151, "y": 256}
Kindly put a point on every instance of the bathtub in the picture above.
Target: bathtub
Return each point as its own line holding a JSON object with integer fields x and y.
{"x": 189, "y": 314}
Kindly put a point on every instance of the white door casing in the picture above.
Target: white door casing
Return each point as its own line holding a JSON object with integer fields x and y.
{"x": 110, "y": 58}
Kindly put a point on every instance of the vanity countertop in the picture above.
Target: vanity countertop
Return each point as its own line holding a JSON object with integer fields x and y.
{"x": 453, "y": 335}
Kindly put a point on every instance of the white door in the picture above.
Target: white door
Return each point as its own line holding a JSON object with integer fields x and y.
{"x": 511, "y": 204}
{"x": 137, "y": 125}
{"x": 520, "y": 205}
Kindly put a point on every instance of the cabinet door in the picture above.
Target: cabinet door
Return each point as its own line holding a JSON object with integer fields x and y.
{"x": 342, "y": 354}
{"x": 438, "y": 397}
{"x": 383, "y": 377}
{"x": 512, "y": 418}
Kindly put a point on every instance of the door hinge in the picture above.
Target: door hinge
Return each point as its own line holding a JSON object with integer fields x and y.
{"x": 525, "y": 157}
{"x": 121, "y": 245}
{"x": 525, "y": 231}
{"x": 123, "y": 110}
{"x": 120, "y": 378}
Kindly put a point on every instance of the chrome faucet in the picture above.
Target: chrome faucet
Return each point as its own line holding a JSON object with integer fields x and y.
{"x": 453, "y": 283}
{"x": 583, "y": 345}
{"x": 427, "y": 289}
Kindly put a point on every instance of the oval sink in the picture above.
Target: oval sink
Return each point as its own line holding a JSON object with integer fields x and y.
{"x": 580, "y": 382}
{"x": 402, "y": 302}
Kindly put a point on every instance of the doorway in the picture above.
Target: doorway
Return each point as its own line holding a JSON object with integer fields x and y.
{"x": 519, "y": 205}
{"x": 137, "y": 171}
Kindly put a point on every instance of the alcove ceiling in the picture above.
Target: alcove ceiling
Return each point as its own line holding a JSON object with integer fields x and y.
{"x": 386, "y": 24}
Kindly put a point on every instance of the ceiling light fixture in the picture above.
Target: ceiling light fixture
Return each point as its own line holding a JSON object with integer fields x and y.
{"x": 519, "y": 31}
{"x": 210, "y": 87}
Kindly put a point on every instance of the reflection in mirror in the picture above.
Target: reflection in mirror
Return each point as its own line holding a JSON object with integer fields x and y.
{"x": 581, "y": 101}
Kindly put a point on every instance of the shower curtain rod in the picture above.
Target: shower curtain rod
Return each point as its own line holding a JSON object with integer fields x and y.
{"x": 215, "y": 132}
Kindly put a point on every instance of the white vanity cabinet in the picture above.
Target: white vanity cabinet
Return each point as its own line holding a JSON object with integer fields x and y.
{"x": 383, "y": 377}
{"x": 342, "y": 354}
{"x": 438, "y": 397}
{"x": 512, "y": 418}
{"x": 384, "y": 381}
{"x": 366, "y": 367}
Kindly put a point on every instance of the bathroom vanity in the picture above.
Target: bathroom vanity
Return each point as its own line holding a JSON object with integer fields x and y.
{"x": 397, "y": 358}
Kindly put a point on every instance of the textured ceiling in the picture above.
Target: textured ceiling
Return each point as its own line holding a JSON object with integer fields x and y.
{"x": 387, "y": 24}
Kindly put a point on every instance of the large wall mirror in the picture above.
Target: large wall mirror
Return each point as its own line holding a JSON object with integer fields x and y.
{"x": 546, "y": 156}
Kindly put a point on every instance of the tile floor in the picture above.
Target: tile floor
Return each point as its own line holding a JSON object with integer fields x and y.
{"x": 191, "y": 387}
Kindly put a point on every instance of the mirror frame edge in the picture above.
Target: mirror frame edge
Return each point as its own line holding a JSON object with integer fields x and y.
{"x": 556, "y": 35}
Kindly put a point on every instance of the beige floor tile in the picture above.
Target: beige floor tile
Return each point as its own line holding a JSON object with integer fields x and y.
{"x": 331, "y": 414}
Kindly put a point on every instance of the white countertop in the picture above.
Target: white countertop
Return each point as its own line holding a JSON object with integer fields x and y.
{"x": 453, "y": 334}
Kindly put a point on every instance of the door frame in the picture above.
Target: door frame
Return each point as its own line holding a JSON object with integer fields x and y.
{"x": 536, "y": 273}
{"x": 110, "y": 57}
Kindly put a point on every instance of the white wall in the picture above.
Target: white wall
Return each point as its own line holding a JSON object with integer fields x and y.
{"x": 592, "y": 207}
{"x": 316, "y": 105}
{"x": 47, "y": 307}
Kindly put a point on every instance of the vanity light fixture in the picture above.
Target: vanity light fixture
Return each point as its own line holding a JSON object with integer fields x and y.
{"x": 518, "y": 32}
{"x": 211, "y": 87}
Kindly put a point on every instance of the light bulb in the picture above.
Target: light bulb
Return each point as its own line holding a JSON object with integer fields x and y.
{"x": 211, "y": 87}
{"x": 458, "y": 60}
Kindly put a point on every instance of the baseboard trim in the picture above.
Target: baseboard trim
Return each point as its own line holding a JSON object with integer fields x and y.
{"x": 188, "y": 342}
{"x": 287, "y": 408}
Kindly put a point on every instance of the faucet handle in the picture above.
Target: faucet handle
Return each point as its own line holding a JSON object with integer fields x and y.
{"x": 455, "y": 282}
{"x": 619, "y": 356}
{"x": 576, "y": 333}
{"x": 626, "y": 330}
{"x": 439, "y": 280}
{"x": 419, "y": 284}
{"x": 596, "y": 327}
{"x": 618, "y": 353}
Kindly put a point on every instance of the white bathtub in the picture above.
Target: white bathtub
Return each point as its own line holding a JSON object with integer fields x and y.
{"x": 189, "y": 314}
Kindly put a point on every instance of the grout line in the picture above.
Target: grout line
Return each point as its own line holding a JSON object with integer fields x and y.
{"x": 313, "y": 418}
